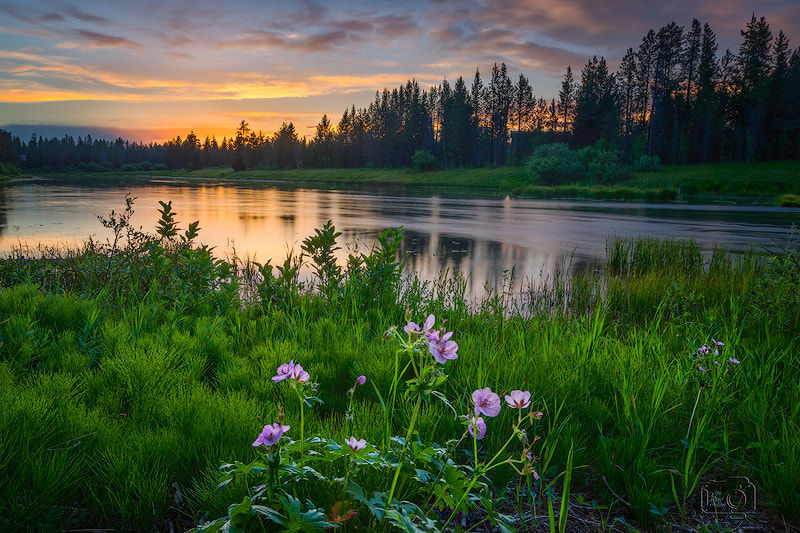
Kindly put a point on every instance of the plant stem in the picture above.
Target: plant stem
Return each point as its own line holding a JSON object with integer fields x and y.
{"x": 402, "y": 453}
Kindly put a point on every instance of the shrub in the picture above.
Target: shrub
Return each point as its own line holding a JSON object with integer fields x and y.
{"x": 647, "y": 163}
{"x": 7, "y": 170}
{"x": 423, "y": 161}
{"x": 789, "y": 200}
{"x": 555, "y": 164}
{"x": 602, "y": 166}
{"x": 129, "y": 167}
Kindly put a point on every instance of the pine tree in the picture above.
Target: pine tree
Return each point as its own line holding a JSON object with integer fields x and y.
{"x": 754, "y": 63}
{"x": 566, "y": 101}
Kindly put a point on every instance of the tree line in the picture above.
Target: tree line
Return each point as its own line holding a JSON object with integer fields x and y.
{"x": 674, "y": 96}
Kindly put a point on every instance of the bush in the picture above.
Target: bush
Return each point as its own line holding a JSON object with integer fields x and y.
{"x": 129, "y": 167}
{"x": 789, "y": 200}
{"x": 7, "y": 170}
{"x": 647, "y": 163}
{"x": 602, "y": 166}
{"x": 422, "y": 161}
{"x": 555, "y": 164}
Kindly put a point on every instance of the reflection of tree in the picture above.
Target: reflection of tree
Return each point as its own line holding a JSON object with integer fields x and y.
{"x": 3, "y": 210}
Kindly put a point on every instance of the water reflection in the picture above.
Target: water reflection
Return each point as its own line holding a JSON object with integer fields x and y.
{"x": 3, "y": 210}
{"x": 483, "y": 238}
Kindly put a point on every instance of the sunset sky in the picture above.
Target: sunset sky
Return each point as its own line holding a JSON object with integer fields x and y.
{"x": 157, "y": 69}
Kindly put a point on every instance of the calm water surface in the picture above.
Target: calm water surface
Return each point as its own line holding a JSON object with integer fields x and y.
{"x": 481, "y": 237}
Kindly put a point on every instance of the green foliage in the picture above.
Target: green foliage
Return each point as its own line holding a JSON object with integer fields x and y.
{"x": 647, "y": 163}
{"x": 423, "y": 161}
{"x": 8, "y": 170}
{"x": 132, "y": 266}
{"x": 777, "y": 292}
{"x": 117, "y": 411}
{"x": 555, "y": 164}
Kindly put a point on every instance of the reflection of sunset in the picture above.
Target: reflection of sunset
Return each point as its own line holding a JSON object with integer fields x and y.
{"x": 483, "y": 239}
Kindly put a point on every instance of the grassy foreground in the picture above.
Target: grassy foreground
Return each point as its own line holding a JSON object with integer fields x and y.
{"x": 131, "y": 370}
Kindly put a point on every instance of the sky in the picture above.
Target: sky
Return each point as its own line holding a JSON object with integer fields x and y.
{"x": 158, "y": 69}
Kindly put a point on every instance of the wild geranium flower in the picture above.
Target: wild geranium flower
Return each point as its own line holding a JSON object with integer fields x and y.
{"x": 518, "y": 399}
{"x": 486, "y": 402}
{"x": 427, "y": 327}
{"x": 412, "y": 328}
{"x": 271, "y": 434}
{"x": 442, "y": 349}
{"x": 284, "y": 371}
{"x": 361, "y": 380}
{"x": 356, "y": 445}
{"x": 477, "y": 427}
{"x": 299, "y": 375}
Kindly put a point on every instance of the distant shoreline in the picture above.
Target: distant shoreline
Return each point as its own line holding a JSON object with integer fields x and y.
{"x": 775, "y": 182}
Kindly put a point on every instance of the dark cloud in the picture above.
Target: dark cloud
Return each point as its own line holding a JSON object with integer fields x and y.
{"x": 99, "y": 40}
{"x": 31, "y": 16}
{"x": 395, "y": 26}
{"x": 353, "y": 25}
{"x": 51, "y": 17}
{"x": 78, "y": 14}
{"x": 312, "y": 43}
{"x": 548, "y": 58}
{"x": 323, "y": 42}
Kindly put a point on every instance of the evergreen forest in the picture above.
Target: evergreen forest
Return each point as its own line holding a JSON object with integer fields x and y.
{"x": 675, "y": 96}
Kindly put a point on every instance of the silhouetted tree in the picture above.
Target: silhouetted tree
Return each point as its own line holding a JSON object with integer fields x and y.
{"x": 596, "y": 112}
{"x": 566, "y": 101}
{"x": 753, "y": 64}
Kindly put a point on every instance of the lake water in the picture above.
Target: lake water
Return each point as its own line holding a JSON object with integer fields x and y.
{"x": 481, "y": 237}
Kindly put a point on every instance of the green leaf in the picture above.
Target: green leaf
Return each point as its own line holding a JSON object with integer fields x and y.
{"x": 210, "y": 527}
{"x": 376, "y": 504}
{"x": 240, "y": 513}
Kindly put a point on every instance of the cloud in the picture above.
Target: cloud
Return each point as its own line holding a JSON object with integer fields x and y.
{"x": 92, "y": 39}
{"x": 309, "y": 44}
{"x": 89, "y": 18}
{"x": 18, "y": 31}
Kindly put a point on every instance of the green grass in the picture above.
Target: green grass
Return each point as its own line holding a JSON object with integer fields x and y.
{"x": 117, "y": 412}
{"x": 768, "y": 179}
{"x": 707, "y": 181}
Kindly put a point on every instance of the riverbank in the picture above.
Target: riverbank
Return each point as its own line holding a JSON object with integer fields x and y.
{"x": 765, "y": 182}
{"x": 132, "y": 371}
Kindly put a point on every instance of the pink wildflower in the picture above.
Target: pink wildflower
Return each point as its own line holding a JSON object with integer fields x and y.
{"x": 300, "y": 375}
{"x": 518, "y": 399}
{"x": 271, "y": 434}
{"x": 477, "y": 427}
{"x": 356, "y": 445}
{"x": 412, "y": 328}
{"x": 427, "y": 327}
{"x": 284, "y": 371}
{"x": 486, "y": 402}
{"x": 361, "y": 380}
{"x": 442, "y": 349}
